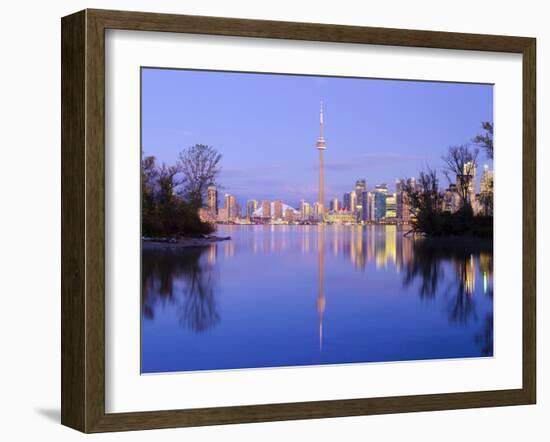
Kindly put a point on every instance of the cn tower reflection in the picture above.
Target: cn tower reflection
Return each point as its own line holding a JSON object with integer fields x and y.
{"x": 321, "y": 301}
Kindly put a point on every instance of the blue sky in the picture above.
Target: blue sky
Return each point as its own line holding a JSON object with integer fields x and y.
{"x": 266, "y": 127}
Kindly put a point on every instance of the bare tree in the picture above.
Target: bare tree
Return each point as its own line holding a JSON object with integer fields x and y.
{"x": 425, "y": 201}
{"x": 485, "y": 140}
{"x": 199, "y": 168}
{"x": 461, "y": 163}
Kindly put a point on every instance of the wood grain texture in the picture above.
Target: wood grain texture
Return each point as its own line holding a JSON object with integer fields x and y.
{"x": 83, "y": 219}
{"x": 73, "y": 253}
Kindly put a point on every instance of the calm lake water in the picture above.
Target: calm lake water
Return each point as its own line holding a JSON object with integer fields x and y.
{"x": 310, "y": 295}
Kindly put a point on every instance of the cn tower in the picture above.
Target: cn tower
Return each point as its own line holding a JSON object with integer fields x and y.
{"x": 321, "y": 146}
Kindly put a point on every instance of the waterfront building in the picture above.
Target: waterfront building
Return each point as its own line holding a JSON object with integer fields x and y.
{"x": 451, "y": 199}
{"x": 290, "y": 215}
{"x": 277, "y": 209}
{"x": 230, "y": 203}
{"x": 380, "y": 194}
{"x": 366, "y": 204}
{"x": 341, "y": 217}
{"x": 353, "y": 202}
{"x": 318, "y": 212}
{"x": 222, "y": 215}
{"x": 305, "y": 211}
{"x": 347, "y": 201}
{"x": 468, "y": 178}
{"x": 251, "y": 207}
{"x": 266, "y": 209}
{"x": 391, "y": 206}
{"x": 360, "y": 188}
{"x": 486, "y": 191}
{"x": 212, "y": 199}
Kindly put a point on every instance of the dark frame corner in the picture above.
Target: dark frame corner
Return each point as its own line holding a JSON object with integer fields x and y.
{"x": 83, "y": 216}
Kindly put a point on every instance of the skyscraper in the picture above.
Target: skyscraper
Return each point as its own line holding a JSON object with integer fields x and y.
{"x": 278, "y": 209}
{"x": 305, "y": 211}
{"x": 486, "y": 186}
{"x": 212, "y": 199}
{"x": 360, "y": 187}
{"x": 347, "y": 201}
{"x": 334, "y": 205}
{"x": 321, "y": 146}
{"x": 266, "y": 209}
{"x": 391, "y": 206}
{"x": 230, "y": 203}
{"x": 380, "y": 194}
{"x": 353, "y": 201}
{"x": 251, "y": 206}
{"x": 366, "y": 203}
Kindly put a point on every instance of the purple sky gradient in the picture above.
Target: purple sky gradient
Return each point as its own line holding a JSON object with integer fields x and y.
{"x": 266, "y": 127}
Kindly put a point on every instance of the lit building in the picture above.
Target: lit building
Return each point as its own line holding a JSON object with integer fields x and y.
{"x": 222, "y": 215}
{"x": 212, "y": 199}
{"x": 230, "y": 203}
{"x": 353, "y": 202}
{"x": 380, "y": 194}
{"x": 277, "y": 209}
{"x": 251, "y": 207}
{"x": 318, "y": 211}
{"x": 334, "y": 205}
{"x": 360, "y": 188}
{"x": 486, "y": 191}
{"x": 290, "y": 215}
{"x": 486, "y": 183}
{"x": 467, "y": 179}
{"x": 305, "y": 211}
{"x": 347, "y": 201}
{"x": 391, "y": 206}
{"x": 451, "y": 199}
{"x": 366, "y": 204}
{"x": 400, "y": 198}
{"x": 266, "y": 209}
{"x": 341, "y": 217}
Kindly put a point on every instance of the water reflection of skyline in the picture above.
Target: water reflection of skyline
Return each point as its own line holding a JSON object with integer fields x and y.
{"x": 187, "y": 280}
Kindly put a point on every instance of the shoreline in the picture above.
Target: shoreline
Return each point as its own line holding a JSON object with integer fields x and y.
{"x": 155, "y": 243}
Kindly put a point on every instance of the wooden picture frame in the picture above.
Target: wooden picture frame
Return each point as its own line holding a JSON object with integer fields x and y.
{"x": 83, "y": 220}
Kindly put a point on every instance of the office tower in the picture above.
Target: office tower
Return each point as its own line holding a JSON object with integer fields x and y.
{"x": 403, "y": 199}
{"x": 334, "y": 205}
{"x": 266, "y": 209}
{"x": 278, "y": 209}
{"x": 347, "y": 201}
{"x": 231, "y": 205}
{"x": 486, "y": 190}
{"x": 486, "y": 183}
{"x": 380, "y": 194}
{"x": 360, "y": 187}
{"x": 251, "y": 207}
{"x": 305, "y": 211}
{"x": 467, "y": 180}
{"x": 212, "y": 199}
{"x": 391, "y": 206}
{"x": 321, "y": 146}
{"x": 289, "y": 215}
{"x": 318, "y": 212}
{"x": 366, "y": 204}
{"x": 353, "y": 201}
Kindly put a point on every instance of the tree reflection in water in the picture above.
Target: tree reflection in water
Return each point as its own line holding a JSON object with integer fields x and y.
{"x": 431, "y": 258}
{"x": 182, "y": 276}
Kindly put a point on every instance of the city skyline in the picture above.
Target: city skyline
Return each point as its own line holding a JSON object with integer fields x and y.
{"x": 286, "y": 166}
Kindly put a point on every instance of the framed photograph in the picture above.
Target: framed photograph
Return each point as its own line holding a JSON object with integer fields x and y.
{"x": 269, "y": 220}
